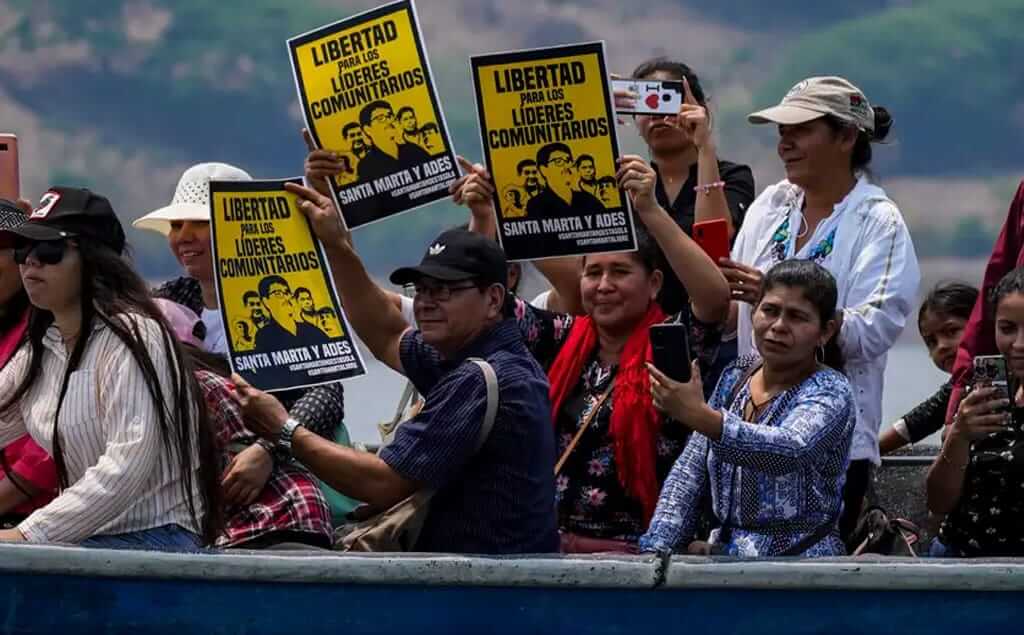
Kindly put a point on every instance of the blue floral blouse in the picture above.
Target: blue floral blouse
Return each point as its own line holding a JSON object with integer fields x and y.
{"x": 773, "y": 481}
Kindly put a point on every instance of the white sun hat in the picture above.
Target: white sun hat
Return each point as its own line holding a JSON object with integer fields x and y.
{"x": 192, "y": 196}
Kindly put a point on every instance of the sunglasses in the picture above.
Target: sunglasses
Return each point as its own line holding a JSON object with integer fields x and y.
{"x": 47, "y": 252}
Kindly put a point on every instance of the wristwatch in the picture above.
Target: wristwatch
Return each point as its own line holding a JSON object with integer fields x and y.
{"x": 284, "y": 439}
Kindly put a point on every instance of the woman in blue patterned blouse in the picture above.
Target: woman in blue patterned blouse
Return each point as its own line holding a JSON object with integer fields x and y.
{"x": 774, "y": 441}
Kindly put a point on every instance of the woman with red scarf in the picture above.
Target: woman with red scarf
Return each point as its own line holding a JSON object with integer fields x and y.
{"x": 29, "y": 478}
{"x": 615, "y": 449}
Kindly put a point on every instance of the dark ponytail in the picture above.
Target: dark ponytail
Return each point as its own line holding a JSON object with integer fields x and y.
{"x": 860, "y": 161}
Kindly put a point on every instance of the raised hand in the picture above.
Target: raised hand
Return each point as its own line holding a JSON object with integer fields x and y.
{"x": 638, "y": 178}
{"x": 323, "y": 216}
{"x": 694, "y": 119}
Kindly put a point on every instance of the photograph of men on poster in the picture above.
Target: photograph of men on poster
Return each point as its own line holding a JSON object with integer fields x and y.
{"x": 561, "y": 195}
{"x": 286, "y": 328}
{"x": 389, "y": 151}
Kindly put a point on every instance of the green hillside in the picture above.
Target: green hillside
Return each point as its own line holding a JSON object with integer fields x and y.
{"x": 156, "y": 85}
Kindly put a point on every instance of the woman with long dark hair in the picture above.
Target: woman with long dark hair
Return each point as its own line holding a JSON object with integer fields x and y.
{"x": 104, "y": 386}
{"x": 977, "y": 480}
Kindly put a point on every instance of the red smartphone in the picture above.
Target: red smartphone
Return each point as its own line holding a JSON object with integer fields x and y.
{"x": 713, "y": 238}
{"x": 10, "y": 182}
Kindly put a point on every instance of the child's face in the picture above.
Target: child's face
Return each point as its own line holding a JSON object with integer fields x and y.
{"x": 941, "y": 334}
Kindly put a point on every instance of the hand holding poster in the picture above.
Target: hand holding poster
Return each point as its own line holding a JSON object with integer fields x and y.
{"x": 548, "y": 131}
{"x": 286, "y": 327}
{"x": 367, "y": 95}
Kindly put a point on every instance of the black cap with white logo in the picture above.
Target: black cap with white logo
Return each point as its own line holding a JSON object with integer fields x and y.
{"x": 69, "y": 212}
{"x": 458, "y": 254}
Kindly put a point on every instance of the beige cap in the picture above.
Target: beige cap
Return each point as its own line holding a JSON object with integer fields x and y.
{"x": 818, "y": 96}
{"x": 192, "y": 196}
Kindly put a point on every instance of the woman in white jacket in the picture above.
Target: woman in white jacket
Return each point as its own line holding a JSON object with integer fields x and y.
{"x": 827, "y": 210}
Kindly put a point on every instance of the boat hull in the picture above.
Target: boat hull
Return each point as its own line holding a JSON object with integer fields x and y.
{"x": 67, "y": 590}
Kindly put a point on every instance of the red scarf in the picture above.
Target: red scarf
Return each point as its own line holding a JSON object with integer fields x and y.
{"x": 635, "y": 422}
{"x": 979, "y": 333}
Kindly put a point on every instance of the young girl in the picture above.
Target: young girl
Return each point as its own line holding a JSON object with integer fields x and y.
{"x": 104, "y": 387}
{"x": 978, "y": 478}
{"x": 941, "y": 321}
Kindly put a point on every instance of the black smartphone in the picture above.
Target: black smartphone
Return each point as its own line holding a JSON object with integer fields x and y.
{"x": 670, "y": 348}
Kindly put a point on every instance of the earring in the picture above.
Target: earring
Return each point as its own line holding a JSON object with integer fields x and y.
{"x": 820, "y": 357}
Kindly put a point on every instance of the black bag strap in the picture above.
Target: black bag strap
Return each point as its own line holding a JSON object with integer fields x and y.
{"x": 812, "y": 539}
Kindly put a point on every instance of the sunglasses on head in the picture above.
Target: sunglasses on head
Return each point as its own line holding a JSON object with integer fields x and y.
{"x": 47, "y": 252}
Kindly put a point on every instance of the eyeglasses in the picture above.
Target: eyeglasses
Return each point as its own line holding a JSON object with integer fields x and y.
{"x": 441, "y": 293}
{"x": 48, "y": 252}
{"x": 383, "y": 118}
{"x": 560, "y": 162}
{"x": 279, "y": 293}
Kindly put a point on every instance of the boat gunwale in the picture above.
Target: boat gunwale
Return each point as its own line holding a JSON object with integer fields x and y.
{"x": 618, "y": 571}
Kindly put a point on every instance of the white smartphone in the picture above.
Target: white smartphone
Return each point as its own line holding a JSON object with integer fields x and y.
{"x": 652, "y": 97}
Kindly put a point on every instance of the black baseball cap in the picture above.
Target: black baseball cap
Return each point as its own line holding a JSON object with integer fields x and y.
{"x": 458, "y": 254}
{"x": 70, "y": 212}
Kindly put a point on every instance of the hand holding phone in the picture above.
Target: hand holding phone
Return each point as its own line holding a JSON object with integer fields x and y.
{"x": 670, "y": 350}
{"x": 990, "y": 371}
{"x": 713, "y": 238}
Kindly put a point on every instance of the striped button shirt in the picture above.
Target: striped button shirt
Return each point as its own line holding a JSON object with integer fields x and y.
{"x": 123, "y": 477}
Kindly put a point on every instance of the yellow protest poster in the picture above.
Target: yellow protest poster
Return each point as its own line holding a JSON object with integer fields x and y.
{"x": 286, "y": 327}
{"x": 547, "y": 126}
{"x": 367, "y": 95}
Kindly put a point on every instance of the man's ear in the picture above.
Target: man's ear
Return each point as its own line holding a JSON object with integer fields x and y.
{"x": 495, "y": 300}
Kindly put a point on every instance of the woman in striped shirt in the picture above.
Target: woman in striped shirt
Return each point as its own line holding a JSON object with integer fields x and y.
{"x": 104, "y": 387}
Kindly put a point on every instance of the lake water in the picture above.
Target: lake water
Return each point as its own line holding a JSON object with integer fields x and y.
{"x": 909, "y": 379}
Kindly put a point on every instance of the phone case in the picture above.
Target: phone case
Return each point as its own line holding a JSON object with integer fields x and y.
{"x": 713, "y": 238}
{"x": 653, "y": 97}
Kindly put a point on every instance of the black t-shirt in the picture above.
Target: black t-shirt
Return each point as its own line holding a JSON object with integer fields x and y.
{"x": 377, "y": 164}
{"x": 547, "y": 204}
{"x": 739, "y": 194}
{"x": 273, "y": 337}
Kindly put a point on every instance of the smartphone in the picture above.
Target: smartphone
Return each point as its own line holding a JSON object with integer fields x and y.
{"x": 670, "y": 348}
{"x": 653, "y": 97}
{"x": 990, "y": 370}
{"x": 713, "y": 238}
{"x": 10, "y": 181}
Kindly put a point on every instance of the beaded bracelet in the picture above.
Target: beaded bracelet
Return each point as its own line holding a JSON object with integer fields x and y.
{"x": 706, "y": 189}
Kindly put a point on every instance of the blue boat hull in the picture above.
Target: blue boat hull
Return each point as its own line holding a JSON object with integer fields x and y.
{"x": 76, "y": 591}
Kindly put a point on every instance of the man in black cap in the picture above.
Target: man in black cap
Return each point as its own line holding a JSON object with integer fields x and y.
{"x": 498, "y": 500}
